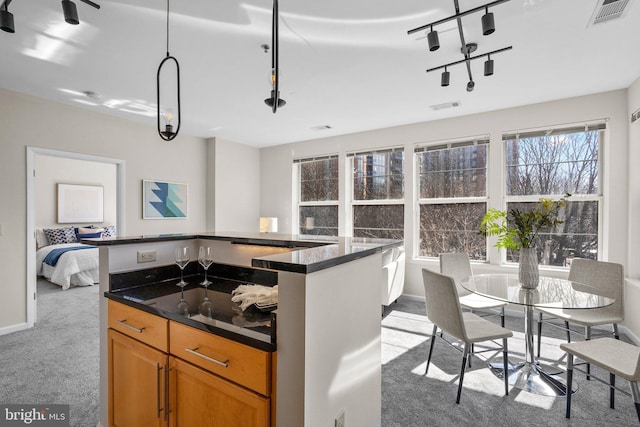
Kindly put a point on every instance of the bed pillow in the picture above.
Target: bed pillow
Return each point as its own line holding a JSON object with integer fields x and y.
{"x": 109, "y": 231}
{"x": 41, "y": 239}
{"x": 59, "y": 236}
{"x": 89, "y": 233}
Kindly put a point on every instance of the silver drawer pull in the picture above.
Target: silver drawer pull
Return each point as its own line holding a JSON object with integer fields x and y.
{"x": 126, "y": 325}
{"x": 210, "y": 359}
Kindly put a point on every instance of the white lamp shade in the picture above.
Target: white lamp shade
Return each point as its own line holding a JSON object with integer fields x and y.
{"x": 268, "y": 224}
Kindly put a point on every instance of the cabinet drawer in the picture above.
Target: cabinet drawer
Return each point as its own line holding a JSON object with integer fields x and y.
{"x": 138, "y": 324}
{"x": 237, "y": 362}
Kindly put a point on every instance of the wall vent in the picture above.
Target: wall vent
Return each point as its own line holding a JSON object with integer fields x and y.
{"x": 446, "y": 105}
{"x": 607, "y": 10}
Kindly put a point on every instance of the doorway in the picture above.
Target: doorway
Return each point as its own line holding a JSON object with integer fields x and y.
{"x": 32, "y": 155}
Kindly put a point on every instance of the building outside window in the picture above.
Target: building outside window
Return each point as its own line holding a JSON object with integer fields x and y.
{"x": 550, "y": 164}
{"x": 318, "y": 196}
{"x": 452, "y": 185}
{"x": 378, "y": 193}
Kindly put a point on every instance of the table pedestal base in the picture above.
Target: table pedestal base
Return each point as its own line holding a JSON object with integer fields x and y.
{"x": 534, "y": 378}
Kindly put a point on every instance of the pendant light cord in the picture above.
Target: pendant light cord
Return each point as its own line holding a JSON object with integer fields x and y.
{"x": 167, "y": 27}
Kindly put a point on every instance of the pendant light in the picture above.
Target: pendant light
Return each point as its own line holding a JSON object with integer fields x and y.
{"x": 167, "y": 114}
{"x": 274, "y": 101}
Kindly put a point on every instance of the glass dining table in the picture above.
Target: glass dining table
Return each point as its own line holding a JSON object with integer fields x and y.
{"x": 530, "y": 375}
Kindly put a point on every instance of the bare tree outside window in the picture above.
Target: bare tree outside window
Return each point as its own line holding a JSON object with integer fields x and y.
{"x": 318, "y": 200}
{"x": 453, "y": 191}
{"x": 378, "y": 194}
{"x": 553, "y": 163}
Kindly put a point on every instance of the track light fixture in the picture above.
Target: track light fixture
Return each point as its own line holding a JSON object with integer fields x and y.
{"x": 488, "y": 66}
{"x": 488, "y": 27}
{"x": 434, "y": 42}
{"x": 274, "y": 101}
{"x": 70, "y": 12}
{"x": 68, "y": 8}
{"x": 6, "y": 18}
{"x": 164, "y": 111}
{"x": 444, "y": 79}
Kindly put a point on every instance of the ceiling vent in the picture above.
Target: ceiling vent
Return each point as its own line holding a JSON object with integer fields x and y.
{"x": 607, "y": 10}
{"x": 446, "y": 105}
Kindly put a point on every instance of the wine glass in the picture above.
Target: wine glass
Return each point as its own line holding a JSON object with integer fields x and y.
{"x": 205, "y": 258}
{"x": 182, "y": 258}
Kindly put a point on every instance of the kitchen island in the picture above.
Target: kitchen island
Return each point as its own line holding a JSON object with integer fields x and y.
{"x": 327, "y": 333}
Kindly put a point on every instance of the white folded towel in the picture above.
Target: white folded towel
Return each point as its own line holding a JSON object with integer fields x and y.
{"x": 247, "y": 295}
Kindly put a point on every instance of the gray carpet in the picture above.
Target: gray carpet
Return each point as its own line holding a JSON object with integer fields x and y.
{"x": 57, "y": 361}
{"x": 411, "y": 399}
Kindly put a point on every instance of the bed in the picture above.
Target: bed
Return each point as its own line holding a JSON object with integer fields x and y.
{"x": 75, "y": 267}
{"x": 74, "y": 264}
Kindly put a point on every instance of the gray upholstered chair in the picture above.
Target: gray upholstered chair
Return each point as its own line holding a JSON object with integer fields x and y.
{"x": 458, "y": 266}
{"x": 616, "y": 357}
{"x": 443, "y": 309}
{"x": 608, "y": 278}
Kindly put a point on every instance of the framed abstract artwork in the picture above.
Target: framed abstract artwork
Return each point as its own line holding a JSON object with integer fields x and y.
{"x": 164, "y": 200}
{"x": 80, "y": 203}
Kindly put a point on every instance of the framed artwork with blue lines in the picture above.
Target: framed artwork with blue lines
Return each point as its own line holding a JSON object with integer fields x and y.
{"x": 164, "y": 200}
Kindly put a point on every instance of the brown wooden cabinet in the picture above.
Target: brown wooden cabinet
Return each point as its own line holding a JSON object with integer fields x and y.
{"x": 137, "y": 383}
{"x": 163, "y": 373}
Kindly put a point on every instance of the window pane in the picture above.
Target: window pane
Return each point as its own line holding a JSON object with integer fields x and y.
{"x": 576, "y": 237}
{"x": 382, "y": 221}
{"x": 553, "y": 164}
{"x": 319, "y": 220}
{"x": 319, "y": 180}
{"x": 453, "y": 172}
{"x": 378, "y": 176}
{"x": 452, "y": 227}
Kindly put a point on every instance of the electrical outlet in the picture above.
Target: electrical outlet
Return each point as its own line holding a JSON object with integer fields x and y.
{"x": 147, "y": 256}
{"x": 340, "y": 419}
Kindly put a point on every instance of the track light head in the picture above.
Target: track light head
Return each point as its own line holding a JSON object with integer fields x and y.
{"x": 6, "y": 20}
{"x": 470, "y": 86}
{"x": 488, "y": 67}
{"x": 444, "y": 78}
{"x": 70, "y": 12}
{"x": 434, "y": 42}
{"x": 488, "y": 23}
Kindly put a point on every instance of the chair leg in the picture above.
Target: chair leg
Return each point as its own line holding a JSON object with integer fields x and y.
{"x": 616, "y": 334}
{"x": 502, "y": 316}
{"x": 569, "y": 383}
{"x": 473, "y": 350}
{"x": 505, "y": 360}
{"x": 566, "y": 328}
{"x": 465, "y": 355}
{"x": 587, "y": 337}
{"x": 612, "y": 390}
{"x": 433, "y": 341}
{"x": 636, "y": 397}
{"x": 539, "y": 332}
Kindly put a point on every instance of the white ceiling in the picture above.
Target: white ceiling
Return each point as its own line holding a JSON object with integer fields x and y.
{"x": 349, "y": 64}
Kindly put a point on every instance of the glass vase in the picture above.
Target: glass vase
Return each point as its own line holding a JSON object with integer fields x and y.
{"x": 528, "y": 268}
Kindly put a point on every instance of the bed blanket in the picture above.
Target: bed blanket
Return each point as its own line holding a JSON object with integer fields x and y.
{"x": 53, "y": 256}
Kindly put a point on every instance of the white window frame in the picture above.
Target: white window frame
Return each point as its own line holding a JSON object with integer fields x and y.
{"x": 446, "y": 144}
{"x": 599, "y": 197}
{"x": 350, "y": 187}
{"x": 298, "y": 190}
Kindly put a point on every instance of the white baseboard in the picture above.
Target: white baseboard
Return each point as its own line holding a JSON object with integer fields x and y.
{"x": 13, "y": 328}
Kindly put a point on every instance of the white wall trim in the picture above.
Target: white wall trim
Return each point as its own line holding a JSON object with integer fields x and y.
{"x": 13, "y": 328}
{"x": 31, "y": 154}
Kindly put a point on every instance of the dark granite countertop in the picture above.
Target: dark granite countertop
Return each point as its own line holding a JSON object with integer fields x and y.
{"x": 313, "y": 253}
{"x": 252, "y": 327}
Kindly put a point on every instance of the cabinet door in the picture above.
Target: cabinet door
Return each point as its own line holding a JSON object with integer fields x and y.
{"x": 199, "y": 398}
{"x": 137, "y": 383}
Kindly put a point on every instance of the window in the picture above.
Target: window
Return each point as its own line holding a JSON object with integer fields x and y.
{"x": 378, "y": 194}
{"x": 552, "y": 163}
{"x": 318, "y": 196}
{"x": 453, "y": 197}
